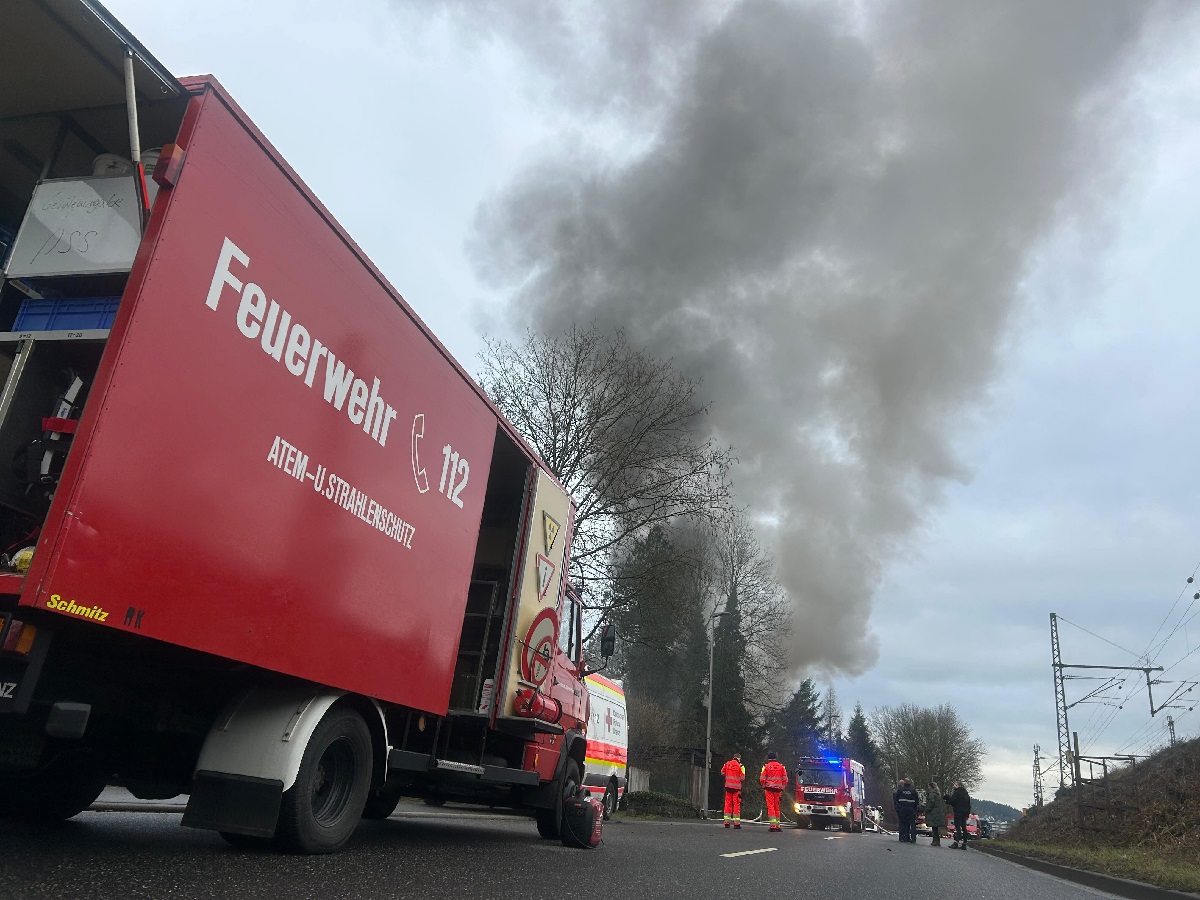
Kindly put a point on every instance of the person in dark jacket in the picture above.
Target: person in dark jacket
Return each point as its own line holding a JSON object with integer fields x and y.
{"x": 935, "y": 812}
{"x": 960, "y": 801}
{"x": 905, "y": 800}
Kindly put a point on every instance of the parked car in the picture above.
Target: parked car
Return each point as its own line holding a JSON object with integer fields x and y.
{"x": 974, "y": 827}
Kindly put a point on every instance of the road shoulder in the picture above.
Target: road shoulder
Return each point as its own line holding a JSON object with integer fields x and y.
{"x": 1120, "y": 887}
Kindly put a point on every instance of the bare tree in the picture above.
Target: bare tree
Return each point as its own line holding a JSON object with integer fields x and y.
{"x": 927, "y": 744}
{"x": 621, "y": 430}
{"x": 657, "y": 728}
{"x": 748, "y": 573}
{"x": 671, "y": 583}
{"x": 831, "y": 721}
{"x": 661, "y": 599}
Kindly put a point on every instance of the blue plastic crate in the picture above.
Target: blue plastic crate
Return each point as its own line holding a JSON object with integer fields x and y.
{"x": 75, "y": 314}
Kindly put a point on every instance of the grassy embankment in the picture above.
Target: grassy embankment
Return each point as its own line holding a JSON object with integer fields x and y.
{"x": 1150, "y": 831}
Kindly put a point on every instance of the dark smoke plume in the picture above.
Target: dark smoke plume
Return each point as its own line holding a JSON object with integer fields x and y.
{"x": 825, "y": 211}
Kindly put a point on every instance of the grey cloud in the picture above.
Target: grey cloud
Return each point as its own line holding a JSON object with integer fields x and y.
{"x": 829, "y": 225}
{"x": 615, "y": 58}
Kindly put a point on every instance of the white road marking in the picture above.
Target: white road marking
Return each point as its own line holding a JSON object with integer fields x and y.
{"x": 750, "y": 852}
{"x": 836, "y": 837}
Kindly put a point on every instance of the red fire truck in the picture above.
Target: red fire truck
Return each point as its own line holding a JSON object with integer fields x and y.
{"x": 829, "y": 791}
{"x": 265, "y": 542}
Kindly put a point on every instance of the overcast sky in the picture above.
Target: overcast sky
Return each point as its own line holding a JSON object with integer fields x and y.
{"x": 935, "y": 262}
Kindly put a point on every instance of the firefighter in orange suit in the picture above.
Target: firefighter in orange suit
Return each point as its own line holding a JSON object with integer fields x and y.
{"x": 774, "y": 779}
{"x": 735, "y": 774}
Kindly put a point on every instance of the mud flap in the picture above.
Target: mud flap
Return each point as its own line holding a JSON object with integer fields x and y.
{"x": 241, "y": 804}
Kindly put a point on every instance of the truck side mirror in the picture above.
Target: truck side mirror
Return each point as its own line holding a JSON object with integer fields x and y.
{"x": 608, "y": 641}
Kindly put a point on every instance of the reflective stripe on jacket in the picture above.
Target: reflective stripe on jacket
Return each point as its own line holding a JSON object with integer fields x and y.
{"x": 734, "y": 773}
{"x": 905, "y": 799}
{"x": 774, "y": 776}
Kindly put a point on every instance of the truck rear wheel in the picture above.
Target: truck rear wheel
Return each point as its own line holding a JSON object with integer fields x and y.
{"x": 610, "y": 799}
{"x": 321, "y": 810}
{"x": 60, "y": 789}
{"x": 381, "y": 803}
{"x": 549, "y": 821}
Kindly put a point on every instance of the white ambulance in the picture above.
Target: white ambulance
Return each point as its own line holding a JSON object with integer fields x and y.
{"x": 606, "y": 759}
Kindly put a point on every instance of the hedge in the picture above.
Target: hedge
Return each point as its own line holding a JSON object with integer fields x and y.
{"x": 651, "y": 803}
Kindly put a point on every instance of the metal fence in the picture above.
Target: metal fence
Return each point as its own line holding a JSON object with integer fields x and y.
{"x": 675, "y": 771}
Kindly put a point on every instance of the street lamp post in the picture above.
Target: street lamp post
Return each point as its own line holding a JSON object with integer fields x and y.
{"x": 708, "y": 733}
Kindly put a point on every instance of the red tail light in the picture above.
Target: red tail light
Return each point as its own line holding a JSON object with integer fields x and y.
{"x": 18, "y": 638}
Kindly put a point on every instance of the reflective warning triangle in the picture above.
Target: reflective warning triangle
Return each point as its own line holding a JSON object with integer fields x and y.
{"x": 550, "y": 529}
{"x": 545, "y": 574}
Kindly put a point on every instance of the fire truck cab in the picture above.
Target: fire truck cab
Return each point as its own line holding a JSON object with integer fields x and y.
{"x": 829, "y": 791}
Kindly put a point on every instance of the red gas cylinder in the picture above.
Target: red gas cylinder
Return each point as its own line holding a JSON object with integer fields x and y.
{"x": 533, "y": 705}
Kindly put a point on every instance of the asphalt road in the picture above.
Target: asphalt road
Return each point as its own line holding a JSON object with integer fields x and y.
{"x": 434, "y": 854}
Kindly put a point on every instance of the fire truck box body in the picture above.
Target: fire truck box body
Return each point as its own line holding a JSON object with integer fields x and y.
{"x": 265, "y": 493}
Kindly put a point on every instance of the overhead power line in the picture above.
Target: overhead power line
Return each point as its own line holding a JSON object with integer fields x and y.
{"x": 1149, "y": 656}
{"x": 1136, "y": 656}
{"x": 1167, "y": 617}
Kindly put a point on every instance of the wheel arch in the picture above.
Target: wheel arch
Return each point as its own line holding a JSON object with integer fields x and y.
{"x": 372, "y": 714}
{"x": 576, "y": 750}
{"x": 264, "y": 731}
{"x": 546, "y": 794}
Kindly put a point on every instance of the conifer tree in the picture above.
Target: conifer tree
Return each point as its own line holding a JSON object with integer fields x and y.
{"x": 733, "y": 726}
{"x": 858, "y": 739}
{"x": 795, "y": 730}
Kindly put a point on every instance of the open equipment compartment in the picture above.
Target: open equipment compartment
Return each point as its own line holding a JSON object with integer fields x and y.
{"x": 64, "y": 120}
{"x": 489, "y": 608}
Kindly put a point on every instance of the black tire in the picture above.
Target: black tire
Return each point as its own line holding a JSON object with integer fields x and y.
{"x": 610, "y": 800}
{"x": 60, "y": 789}
{"x": 381, "y": 803}
{"x": 321, "y": 810}
{"x": 549, "y": 821}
